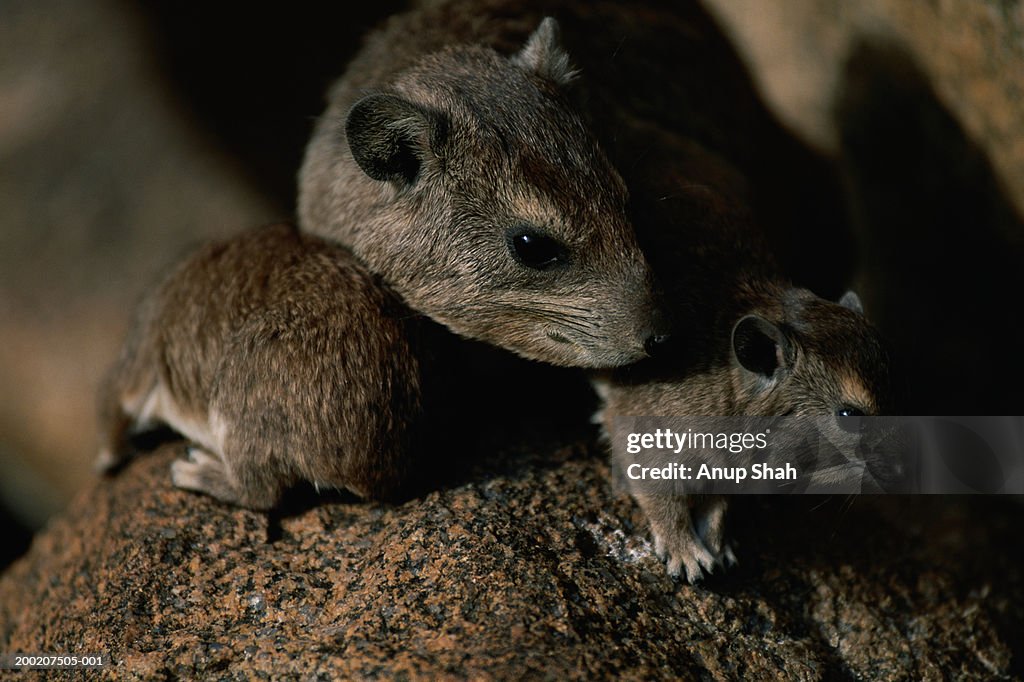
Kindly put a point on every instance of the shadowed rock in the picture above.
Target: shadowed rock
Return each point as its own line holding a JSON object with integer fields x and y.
{"x": 540, "y": 573}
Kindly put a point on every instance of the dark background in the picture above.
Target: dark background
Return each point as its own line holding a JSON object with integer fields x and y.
{"x": 255, "y": 79}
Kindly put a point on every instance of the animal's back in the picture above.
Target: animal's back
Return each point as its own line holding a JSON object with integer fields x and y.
{"x": 275, "y": 347}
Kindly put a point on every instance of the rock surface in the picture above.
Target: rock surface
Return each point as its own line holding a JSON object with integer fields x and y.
{"x": 973, "y": 53}
{"x": 529, "y": 567}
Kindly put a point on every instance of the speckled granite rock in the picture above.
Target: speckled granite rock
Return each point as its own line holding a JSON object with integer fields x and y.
{"x": 532, "y": 568}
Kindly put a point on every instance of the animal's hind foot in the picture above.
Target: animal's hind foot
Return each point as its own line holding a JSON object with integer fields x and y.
{"x": 204, "y": 472}
{"x": 106, "y": 461}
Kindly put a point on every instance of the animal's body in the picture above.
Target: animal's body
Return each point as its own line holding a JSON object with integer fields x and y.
{"x": 282, "y": 359}
{"x": 714, "y": 186}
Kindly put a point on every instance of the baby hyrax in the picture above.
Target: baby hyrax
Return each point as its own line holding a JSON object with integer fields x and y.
{"x": 282, "y": 359}
{"x": 467, "y": 180}
{"x": 791, "y": 353}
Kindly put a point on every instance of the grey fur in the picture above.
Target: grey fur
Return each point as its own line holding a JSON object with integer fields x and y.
{"x": 826, "y": 357}
{"x": 426, "y": 160}
{"x": 285, "y": 359}
{"x": 852, "y": 301}
{"x": 543, "y": 54}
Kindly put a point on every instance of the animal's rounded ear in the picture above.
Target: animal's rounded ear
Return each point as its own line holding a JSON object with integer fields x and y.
{"x": 544, "y": 55}
{"x": 760, "y": 346}
{"x": 391, "y": 138}
{"x": 851, "y": 301}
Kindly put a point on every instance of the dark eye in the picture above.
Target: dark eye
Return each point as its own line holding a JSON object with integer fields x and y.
{"x": 848, "y": 418}
{"x": 536, "y": 250}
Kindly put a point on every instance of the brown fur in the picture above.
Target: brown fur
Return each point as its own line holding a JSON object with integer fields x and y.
{"x": 283, "y": 360}
{"x": 432, "y": 152}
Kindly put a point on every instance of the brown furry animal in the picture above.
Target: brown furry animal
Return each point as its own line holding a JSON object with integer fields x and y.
{"x": 282, "y": 359}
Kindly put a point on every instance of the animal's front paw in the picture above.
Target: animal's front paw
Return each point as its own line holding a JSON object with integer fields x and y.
{"x": 686, "y": 546}
{"x": 683, "y": 550}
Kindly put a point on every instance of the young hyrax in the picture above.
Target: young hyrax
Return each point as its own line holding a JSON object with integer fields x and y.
{"x": 282, "y": 359}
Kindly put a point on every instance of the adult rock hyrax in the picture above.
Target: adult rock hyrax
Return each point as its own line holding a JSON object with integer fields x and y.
{"x": 469, "y": 182}
{"x": 282, "y": 359}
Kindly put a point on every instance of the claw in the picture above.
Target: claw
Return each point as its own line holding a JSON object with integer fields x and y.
{"x": 728, "y": 557}
{"x": 686, "y": 552}
{"x": 659, "y": 547}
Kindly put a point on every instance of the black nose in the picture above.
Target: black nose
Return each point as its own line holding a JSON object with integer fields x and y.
{"x": 655, "y": 344}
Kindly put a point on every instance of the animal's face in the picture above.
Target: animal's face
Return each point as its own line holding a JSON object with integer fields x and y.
{"x": 822, "y": 360}
{"x": 505, "y": 221}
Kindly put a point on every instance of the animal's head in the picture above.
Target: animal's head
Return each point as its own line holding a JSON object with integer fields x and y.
{"x": 815, "y": 358}
{"x": 474, "y": 188}
{"x": 811, "y": 357}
